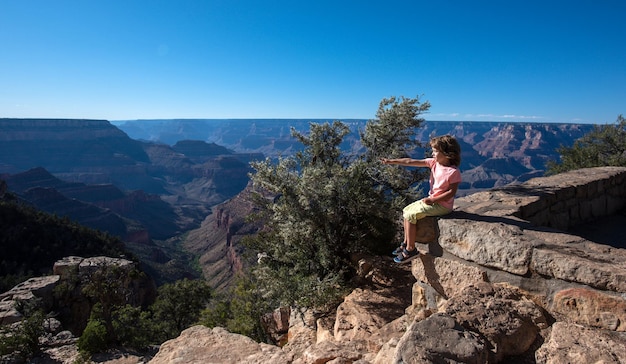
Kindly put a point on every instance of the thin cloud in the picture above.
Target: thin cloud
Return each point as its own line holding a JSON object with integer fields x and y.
{"x": 525, "y": 117}
{"x": 490, "y": 117}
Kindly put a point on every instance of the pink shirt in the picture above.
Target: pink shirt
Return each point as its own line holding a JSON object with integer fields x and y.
{"x": 441, "y": 177}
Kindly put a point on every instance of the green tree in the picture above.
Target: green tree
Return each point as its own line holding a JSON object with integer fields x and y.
{"x": 329, "y": 205}
{"x": 22, "y": 339}
{"x": 178, "y": 306}
{"x": 94, "y": 338}
{"x": 134, "y": 327}
{"x": 107, "y": 288}
{"x": 239, "y": 310}
{"x": 605, "y": 145}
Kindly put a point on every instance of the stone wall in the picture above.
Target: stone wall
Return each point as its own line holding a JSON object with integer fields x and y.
{"x": 564, "y": 200}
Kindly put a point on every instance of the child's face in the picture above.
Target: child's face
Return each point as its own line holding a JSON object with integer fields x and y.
{"x": 440, "y": 157}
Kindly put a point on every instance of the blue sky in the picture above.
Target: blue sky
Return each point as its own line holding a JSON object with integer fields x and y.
{"x": 535, "y": 61}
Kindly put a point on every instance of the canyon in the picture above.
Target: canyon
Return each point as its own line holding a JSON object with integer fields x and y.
{"x": 158, "y": 184}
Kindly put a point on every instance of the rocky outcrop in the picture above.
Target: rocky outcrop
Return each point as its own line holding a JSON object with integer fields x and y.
{"x": 63, "y": 292}
{"x": 199, "y": 344}
{"x": 491, "y": 287}
{"x": 39, "y": 288}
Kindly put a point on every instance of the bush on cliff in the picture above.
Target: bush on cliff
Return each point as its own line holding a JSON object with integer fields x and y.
{"x": 239, "y": 310}
{"x": 21, "y": 340}
{"x": 330, "y": 204}
{"x": 112, "y": 323}
{"x": 605, "y": 145}
{"x": 178, "y": 306}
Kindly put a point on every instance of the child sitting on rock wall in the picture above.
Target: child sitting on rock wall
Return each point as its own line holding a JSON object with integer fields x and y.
{"x": 444, "y": 182}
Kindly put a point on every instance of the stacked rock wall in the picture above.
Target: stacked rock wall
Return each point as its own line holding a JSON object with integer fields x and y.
{"x": 568, "y": 199}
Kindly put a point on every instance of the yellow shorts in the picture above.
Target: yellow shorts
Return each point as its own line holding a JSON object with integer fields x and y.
{"x": 419, "y": 209}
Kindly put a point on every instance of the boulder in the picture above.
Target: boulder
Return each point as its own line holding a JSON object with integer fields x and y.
{"x": 38, "y": 288}
{"x": 581, "y": 264}
{"x": 591, "y": 308}
{"x": 439, "y": 339}
{"x": 329, "y": 352}
{"x": 509, "y": 321}
{"x": 492, "y": 242}
{"x": 363, "y": 312}
{"x": 446, "y": 275}
{"x": 200, "y": 344}
{"x": 571, "y": 343}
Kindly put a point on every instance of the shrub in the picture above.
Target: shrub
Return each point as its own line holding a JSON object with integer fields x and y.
{"x": 94, "y": 338}
{"x": 133, "y": 327}
{"x": 22, "y": 339}
{"x": 178, "y": 306}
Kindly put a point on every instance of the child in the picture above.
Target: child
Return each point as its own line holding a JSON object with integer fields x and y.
{"x": 444, "y": 181}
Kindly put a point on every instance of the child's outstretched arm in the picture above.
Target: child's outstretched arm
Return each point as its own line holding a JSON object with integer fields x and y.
{"x": 408, "y": 162}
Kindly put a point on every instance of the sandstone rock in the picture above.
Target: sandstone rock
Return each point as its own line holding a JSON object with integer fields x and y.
{"x": 440, "y": 339}
{"x": 325, "y": 328}
{"x": 64, "y": 354}
{"x": 591, "y": 308}
{"x": 39, "y": 288}
{"x": 387, "y": 352}
{"x": 571, "y": 343}
{"x": 582, "y": 265}
{"x": 75, "y": 272}
{"x": 329, "y": 352}
{"x": 496, "y": 243}
{"x": 200, "y": 344}
{"x": 302, "y": 332}
{"x": 142, "y": 288}
{"x": 363, "y": 312}
{"x": 502, "y": 314}
{"x": 390, "y": 333}
{"x": 67, "y": 267}
{"x": 423, "y": 297}
{"x": 447, "y": 276}
{"x": 276, "y": 324}
{"x": 9, "y": 313}
{"x": 427, "y": 230}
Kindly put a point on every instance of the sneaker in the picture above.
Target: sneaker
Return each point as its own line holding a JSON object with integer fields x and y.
{"x": 406, "y": 256}
{"x": 399, "y": 249}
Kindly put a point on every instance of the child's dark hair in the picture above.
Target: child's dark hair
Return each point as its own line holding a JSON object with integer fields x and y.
{"x": 448, "y": 146}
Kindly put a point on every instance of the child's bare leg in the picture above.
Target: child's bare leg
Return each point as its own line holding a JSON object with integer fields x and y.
{"x": 410, "y": 231}
{"x": 406, "y": 224}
